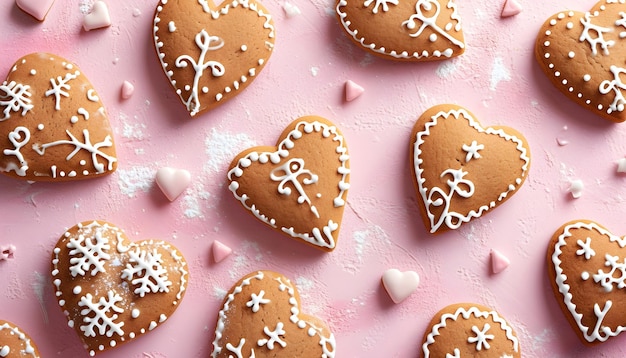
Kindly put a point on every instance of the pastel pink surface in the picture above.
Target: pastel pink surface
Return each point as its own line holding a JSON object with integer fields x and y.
{"x": 499, "y": 262}
{"x": 511, "y": 8}
{"x": 98, "y": 17}
{"x": 400, "y": 285}
{"x": 220, "y": 251}
{"x": 353, "y": 91}
{"x": 172, "y": 181}
{"x": 35, "y": 8}
{"x": 127, "y": 90}
{"x": 497, "y": 79}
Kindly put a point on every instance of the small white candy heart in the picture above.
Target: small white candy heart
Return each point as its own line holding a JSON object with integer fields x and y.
{"x": 172, "y": 182}
{"x": 4, "y": 351}
{"x": 400, "y": 285}
{"x": 98, "y": 17}
{"x": 35, "y": 8}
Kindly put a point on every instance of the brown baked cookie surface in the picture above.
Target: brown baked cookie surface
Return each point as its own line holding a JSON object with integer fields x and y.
{"x": 582, "y": 53}
{"x": 469, "y": 330}
{"x": 415, "y": 30}
{"x": 587, "y": 269}
{"x": 461, "y": 169}
{"x": 15, "y": 343}
{"x": 299, "y": 187}
{"x": 53, "y": 125}
{"x": 113, "y": 290}
{"x": 261, "y": 317}
{"x": 211, "y": 53}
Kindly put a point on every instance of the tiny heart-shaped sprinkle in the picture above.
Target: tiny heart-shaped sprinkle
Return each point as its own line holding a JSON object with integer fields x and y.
{"x": 98, "y": 17}
{"x": 16, "y": 343}
{"x": 172, "y": 182}
{"x": 353, "y": 91}
{"x": 127, "y": 90}
{"x": 112, "y": 290}
{"x": 35, "y": 8}
{"x": 220, "y": 251}
{"x": 499, "y": 262}
{"x": 511, "y": 8}
{"x": 261, "y": 317}
{"x": 400, "y": 285}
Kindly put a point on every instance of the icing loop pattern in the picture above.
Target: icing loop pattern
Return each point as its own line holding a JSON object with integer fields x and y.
{"x": 19, "y": 137}
{"x": 422, "y": 8}
{"x": 587, "y": 35}
{"x": 438, "y": 198}
{"x": 616, "y": 85}
{"x": 14, "y": 97}
{"x": 206, "y": 43}
{"x": 289, "y": 173}
{"x": 379, "y": 3}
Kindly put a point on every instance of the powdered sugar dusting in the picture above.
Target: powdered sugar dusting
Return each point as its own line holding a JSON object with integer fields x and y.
{"x": 134, "y": 180}
{"x": 220, "y": 146}
{"x": 499, "y": 73}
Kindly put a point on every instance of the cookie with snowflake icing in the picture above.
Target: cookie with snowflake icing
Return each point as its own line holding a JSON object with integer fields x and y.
{"x": 414, "y": 30}
{"x": 469, "y": 330}
{"x": 299, "y": 187}
{"x": 53, "y": 125}
{"x": 211, "y": 53}
{"x": 569, "y": 39}
{"x": 113, "y": 290}
{"x": 261, "y": 317}
{"x": 15, "y": 343}
{"x": 587, "y": 269}
{"x": 462, "y": 170}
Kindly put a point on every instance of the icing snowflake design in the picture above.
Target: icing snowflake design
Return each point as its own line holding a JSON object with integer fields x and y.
{"x": 428, "y": 21}
{"x": 88, "y": 251}
{"x": 206, "y": 43}
{"x": 617, "y": 274}
{"x": 256, "y": 301}
{"x": 274, "y": 337}
{"x": 438, "y": 198}
{"x": 616, "y": 85}
{"x": 289, "y": 173}
{"x": 60, "y": 88}
{"x": 472, "y": 150}
{"x": 585, "y": 249}
{"x": 145, "y": 270}
{"x": 481, "y": 337}
{"x": 14, "y": 97}
{"x": 101, "y": 321}
{"x": 380, "y": 3}
{"x": 590, "y": 30}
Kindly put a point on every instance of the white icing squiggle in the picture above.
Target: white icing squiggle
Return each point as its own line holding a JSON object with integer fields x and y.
{"x": 19, "y": 138}
{"x": 29, "y": 348}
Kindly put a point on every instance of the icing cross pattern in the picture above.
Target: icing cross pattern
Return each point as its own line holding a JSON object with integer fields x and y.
{"x": 289, "y": 173}
{"x": 274, "y": 337}
{"x": 256, "y": 301}
{"x": 379, "y": 3}
{"x": 481, "y": 337}
{"x": 428, "y": 21}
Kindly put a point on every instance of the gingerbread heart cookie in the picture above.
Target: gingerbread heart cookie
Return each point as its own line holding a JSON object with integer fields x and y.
{"x": 300, "y": 186}
{"x": 469, "y": 330}
{"x": 210, "y": 53}
{"x": 587, "y": 269}
{"x": 461, "y": 169}
{"x": 261, "y": 317}
{"x": 14, "y": 343}
{"x": 414, "y": 30}
{"x": 582, "y": 53}
{"x": 53, "y": 125}
{"x": 113, "y": 290}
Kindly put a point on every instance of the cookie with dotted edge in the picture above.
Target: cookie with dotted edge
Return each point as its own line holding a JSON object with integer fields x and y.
{"x": 462, "y": 170}
{"x": 299, "y": 187}
{"x": 582, "y": 54}
{"x": 211, "y": 53}
{"x": 587, "y": 269}
{"x": 53, "y": 125}
{"x": 469, "y": 330}
{"x": 261, "y": 317}
{"x": 15, "y": 343}
{"x": 415, "y": 30}
{"x": 112, "y": 290}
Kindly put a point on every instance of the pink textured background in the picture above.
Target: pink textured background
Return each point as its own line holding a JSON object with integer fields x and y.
{"x": 496, "y": 78}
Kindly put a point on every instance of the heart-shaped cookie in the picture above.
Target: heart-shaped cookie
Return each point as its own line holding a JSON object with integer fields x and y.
{"x": 261, "y": 317}
{"x": 462, "y": 170}
{"x": 112, "y": 290}
{"x": 469, "y": 330}
{"x": 582, "y": 53}
{"x": 15, "y": 343}
{"x": 300, "y": 186}
{"x": 587, "y": 268}
{"x": 414, "y": 30}
{"x": 53, "y": 126}
{"x": 209, "y": 53}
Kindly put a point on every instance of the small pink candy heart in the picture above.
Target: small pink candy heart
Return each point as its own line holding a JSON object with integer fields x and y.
{"x": 511, "y": 8}
{"x": 98, "y": 17}
{"x": 35, "y": 8}
{"x": 353, "y": 90}
{"x": 400, "y": 285}
{"x": 499, "y": 262}
{"x": 127, "y": 90}
{"x": 172, "y": 182}
{"x": 220, "y": 251}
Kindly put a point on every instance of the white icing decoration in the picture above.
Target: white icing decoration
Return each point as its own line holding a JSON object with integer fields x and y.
{"x": 617, "y": 274}
{"x": 19, "y": 138}
{"x": 585, "y": 249}
{"x": 237, "y": 350}
{"x": 60, "y": 88}
{"x": 171, "y": 26}
{"x": 437, "y": 197}
{"x": 428, "y": 21}
{"x": 256, "y": 301}
{"x": 88, "y": 251}
{"x": 472, "y": 151}
{"x": 148, "y": 270}
{"x": 466, "y": 313}
{"x": 379, "y": 3}
{"x": 616, "y": 85}
{"x": 621, "y": 22}
{"x": 14, "y": 97}
{"x": 589, "y": 30}
{"x": 481, "y": 337}
{"x": 457, "y": 354}
{"x": 288, "y": 173}
{"x": 274, "y": 337}
{"x": 92, "y": 96}
{"x": 104, "y": 324}
{"x": 29, "y": 349}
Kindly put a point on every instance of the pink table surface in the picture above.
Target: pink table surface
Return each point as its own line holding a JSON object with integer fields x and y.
{"x": 496, "y": 78}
